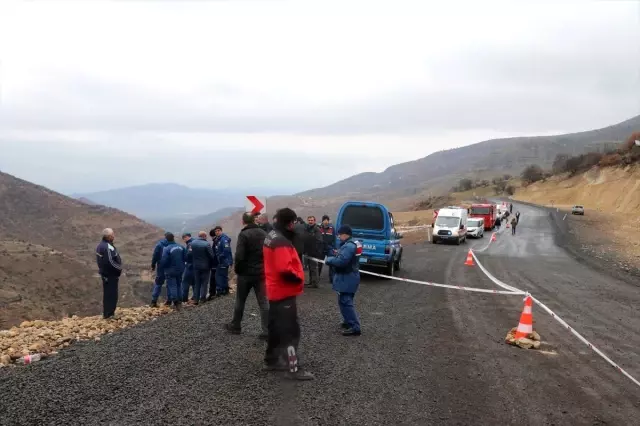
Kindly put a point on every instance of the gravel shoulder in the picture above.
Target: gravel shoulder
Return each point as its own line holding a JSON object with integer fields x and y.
{"x": 426, "y": 356}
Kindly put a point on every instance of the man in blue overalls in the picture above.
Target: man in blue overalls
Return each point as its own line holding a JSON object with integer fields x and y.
{"x": 160, "y": 278}
{"x": 172, "y": 262}
{"x": 224, "y": 258}
{"x": 346, "y": 279}
{"x": 188, "y": 278}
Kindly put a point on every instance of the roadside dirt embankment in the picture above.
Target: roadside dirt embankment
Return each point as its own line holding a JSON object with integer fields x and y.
{"x": 610, "y": 228}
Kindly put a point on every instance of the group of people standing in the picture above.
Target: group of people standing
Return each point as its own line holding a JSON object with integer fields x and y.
{"x": 199, "y": 266}
{"x": 270, "y": 259}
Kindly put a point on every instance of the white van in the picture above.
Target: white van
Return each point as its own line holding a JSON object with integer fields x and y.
{"x": 451, "y": 225}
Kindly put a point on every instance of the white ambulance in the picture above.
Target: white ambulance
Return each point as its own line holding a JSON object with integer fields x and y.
{"x": 450, "y": 225}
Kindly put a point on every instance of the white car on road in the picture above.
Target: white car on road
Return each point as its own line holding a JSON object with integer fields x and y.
{"x": 475, "y": 227}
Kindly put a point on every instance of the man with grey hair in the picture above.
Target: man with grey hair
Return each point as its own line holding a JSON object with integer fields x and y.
{"x": 263, "y": 223}
{"x": 203, "y": 257}
{"x": 110, "y": 268}
{"x": 249, "y": 267}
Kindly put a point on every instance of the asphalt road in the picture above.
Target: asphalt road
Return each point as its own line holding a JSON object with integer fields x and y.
{"x": 427, "y": 355}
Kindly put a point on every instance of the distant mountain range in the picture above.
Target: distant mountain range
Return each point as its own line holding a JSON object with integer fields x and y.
{"x": 439, "y": 171}
{"x": 170, "y": 205}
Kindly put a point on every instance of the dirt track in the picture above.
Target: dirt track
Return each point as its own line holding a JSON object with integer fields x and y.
{"x": 426, "y": 356}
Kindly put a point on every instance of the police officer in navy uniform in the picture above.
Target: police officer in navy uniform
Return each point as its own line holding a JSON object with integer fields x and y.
{"x": 160, "y": 277}
{"x": 172, "y": 262}
{"x": 110, "y": 267}
{"x": 346, "y": 279}
{"x": 224, "y": 258}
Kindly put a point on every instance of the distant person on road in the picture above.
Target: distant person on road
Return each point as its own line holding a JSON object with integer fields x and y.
{"x": 263, "y": 222}
{"x": 110, "y": 268}
{"x": 284, "y": 278}
{"x": 160, "y": 275}
{"x": 346, "y": 279}
{"x": 188, "y": 278}
{"x": 514, "y": 223}
{"x": 224, "y": 258}
{"x": 203, "y": 258}
{"x": 313, "y": 247}
{"x": 173, "y": 263}
{"x": 498, "y": 222}
{"x": 329, "y": 239}
{"x": 249, "y": 268}
{"x": 510, "y": 208}
{"x": 518, "y": 216}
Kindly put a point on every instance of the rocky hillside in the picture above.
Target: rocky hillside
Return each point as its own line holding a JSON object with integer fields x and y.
{"x": 47, "y": 246}
{"x": 440, "y": 170}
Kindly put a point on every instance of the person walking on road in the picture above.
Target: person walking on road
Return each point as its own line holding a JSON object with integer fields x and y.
{"x": 284, "y": 278}
{"x": 498, "y": 222}
{"x": 314, "y": 247}
{"x": 202, "y": 261}
{"x": 224, "y": 258}
{"x": 249, "y": 268}
{"x": 514, "y": 223}
{"x": 160, "y": 275}
{"x": 329, "y": 239}
{"x": 173, "y": 264}
{"x": 188, "y": 278}
{"x": 346, "y": 279}
{"x": 518, "y": 216}
{"x": 110, "y": 268}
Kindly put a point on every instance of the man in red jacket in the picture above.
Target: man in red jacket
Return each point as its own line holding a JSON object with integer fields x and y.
{"x": 284, "y": 281}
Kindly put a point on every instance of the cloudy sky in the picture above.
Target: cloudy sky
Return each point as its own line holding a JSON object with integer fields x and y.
{"x": 295, "y": 94}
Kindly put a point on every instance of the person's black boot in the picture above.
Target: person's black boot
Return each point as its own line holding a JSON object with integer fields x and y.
{"x": 232, "y": 329}
{"x": 177, "y": 306}
{"x": 344, "y": 326}
{"x": 153, "y": 304}
{"x": 167, "y": 303}
{"x": 351, "y": 332}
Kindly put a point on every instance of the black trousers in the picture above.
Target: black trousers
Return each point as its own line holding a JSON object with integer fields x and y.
{"x": 246, "y": 283}
{"x": 284, "y": 330}
{"x": 109, "y": 295}
{"x": 212, "y": 283}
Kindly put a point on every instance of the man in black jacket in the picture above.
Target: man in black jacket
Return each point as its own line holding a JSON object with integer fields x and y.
{"x": 299, "y": 237}
{"x": 313, "y": 247}
{"x": 249, "y": 268}
{"x": 110, "y": 267}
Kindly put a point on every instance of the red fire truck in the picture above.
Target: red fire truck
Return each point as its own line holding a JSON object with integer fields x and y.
{"x": 485, "y": 211}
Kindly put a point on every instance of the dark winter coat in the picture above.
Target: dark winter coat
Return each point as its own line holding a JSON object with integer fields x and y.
{"x": 157, "y": 254}
{"x": 249, "y": 259}
{"x": 329, "y": 238}
{"x": 314, "y": 244}
{"x": 299, "y": 238}
{"x": 202, "y": 254}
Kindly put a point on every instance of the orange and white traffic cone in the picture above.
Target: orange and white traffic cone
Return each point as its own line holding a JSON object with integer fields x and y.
{"x": 525, "y": 327}
{"x": 469, "y": 261}
{"x": 493, "y": 236}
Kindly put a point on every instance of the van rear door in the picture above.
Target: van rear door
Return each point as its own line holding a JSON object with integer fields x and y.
{"x": 369, "y": 226}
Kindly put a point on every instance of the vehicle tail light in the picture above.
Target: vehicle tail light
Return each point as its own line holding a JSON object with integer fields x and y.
{"x": 387, "y": 249}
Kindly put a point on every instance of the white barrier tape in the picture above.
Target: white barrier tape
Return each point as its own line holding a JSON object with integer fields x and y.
{"x": 455, "y": 287}
{"x": 557, "y": 318}
{"x": 585, "y": 341}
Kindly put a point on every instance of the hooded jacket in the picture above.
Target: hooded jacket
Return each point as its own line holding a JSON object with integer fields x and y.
{"x": 284, "y": 275}
{"x": 249, "y": 255}
{"x": 346, "y": 264}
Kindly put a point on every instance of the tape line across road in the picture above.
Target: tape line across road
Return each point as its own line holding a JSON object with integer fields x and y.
{"x": 560, "y": 320}
{"x": 430, "y": 284}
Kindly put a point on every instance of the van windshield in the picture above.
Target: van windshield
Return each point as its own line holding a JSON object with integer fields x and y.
{"x": 480, "y": 210}
{"x": 363, "y": 217}
{"x": 448, "y": 222}
{"x": 473, "y": 222}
